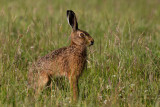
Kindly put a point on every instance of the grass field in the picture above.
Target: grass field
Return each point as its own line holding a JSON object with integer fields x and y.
{"x": 123, "y": 64}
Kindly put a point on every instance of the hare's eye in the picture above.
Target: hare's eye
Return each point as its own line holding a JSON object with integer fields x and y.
{"x": 81, "y": 35}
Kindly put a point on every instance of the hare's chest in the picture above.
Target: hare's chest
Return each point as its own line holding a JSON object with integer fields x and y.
{"x": 77, "y": 62}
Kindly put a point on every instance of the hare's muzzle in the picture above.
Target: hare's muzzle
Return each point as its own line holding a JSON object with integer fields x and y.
{"x": 91, "y": 42}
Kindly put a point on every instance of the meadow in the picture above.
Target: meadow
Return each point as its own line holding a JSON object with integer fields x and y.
{"x": 123, "y": 64}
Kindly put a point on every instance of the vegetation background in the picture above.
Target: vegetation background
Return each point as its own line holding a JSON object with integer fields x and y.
{"x": 123, "y": 64}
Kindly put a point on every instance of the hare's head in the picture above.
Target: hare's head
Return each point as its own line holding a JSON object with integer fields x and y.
{"x": 78, "y": 37}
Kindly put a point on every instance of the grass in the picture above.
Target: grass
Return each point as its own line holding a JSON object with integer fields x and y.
{"x": 123, "y": 65}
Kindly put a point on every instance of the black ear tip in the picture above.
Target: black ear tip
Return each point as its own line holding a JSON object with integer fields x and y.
{"x": 70, "y": 12}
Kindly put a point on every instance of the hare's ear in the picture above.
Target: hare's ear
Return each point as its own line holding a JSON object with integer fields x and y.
{"x": 72, "y": 20}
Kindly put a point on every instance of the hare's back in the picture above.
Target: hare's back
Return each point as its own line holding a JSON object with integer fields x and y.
{"x": 52, "y": 56}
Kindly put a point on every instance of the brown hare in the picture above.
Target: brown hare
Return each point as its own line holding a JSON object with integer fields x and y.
{"x": 67, "y": 61}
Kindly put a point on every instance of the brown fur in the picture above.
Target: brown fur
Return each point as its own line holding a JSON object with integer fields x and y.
{"x": 67, "y": 61}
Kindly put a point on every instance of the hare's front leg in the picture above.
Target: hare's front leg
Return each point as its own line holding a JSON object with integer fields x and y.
{"x": 74, "y": 87}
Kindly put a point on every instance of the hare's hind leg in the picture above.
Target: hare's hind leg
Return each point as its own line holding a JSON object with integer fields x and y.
{"x": 44, "y": 80}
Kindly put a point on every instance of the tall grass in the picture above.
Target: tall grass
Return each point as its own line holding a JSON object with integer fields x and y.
{"x": 123, "y": 65}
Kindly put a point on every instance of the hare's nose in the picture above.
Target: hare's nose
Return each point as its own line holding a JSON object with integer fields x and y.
{"x": 92, "y": 42}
